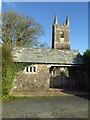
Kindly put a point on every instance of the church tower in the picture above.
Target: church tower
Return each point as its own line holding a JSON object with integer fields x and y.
{"x": 60, "y": 35}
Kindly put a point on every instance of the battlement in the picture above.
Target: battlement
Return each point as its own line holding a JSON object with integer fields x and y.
{"x": 60, "y": 34}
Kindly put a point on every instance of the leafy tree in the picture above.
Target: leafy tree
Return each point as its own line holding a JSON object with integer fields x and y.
{"x": 86, "y": 58}
{"x": 19, "y": 30}
{"x": 86, "y": 61}
{"x": 7, "y": 60}
{"x": 7, "y": 65}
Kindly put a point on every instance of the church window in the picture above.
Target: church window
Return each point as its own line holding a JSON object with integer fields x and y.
{"x": 26, "y": 69}
{"x": 34, "y": 69}
{"x": 30, "y": 69}
{"x": 61, "y": 34}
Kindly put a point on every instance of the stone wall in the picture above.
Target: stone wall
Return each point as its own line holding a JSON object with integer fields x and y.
{"x": 44, "y": 78}
{"x": 63, "y": 43}
{"x": 32, "y": 81}
{"x": 57, "y": 41}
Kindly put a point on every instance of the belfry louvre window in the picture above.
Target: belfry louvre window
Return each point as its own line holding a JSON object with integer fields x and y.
{"x": 31, "y": 69}
{"x": 61, "y": 34}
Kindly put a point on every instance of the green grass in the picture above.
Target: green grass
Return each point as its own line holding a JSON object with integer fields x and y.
{"x": 12, "y": 98}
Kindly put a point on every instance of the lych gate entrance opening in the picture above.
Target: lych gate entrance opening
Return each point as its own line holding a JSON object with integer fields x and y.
{"x": 59, "y": 77}
{"x": 63, "y": 76}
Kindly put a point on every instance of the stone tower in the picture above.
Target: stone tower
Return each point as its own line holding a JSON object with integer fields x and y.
{"x": 60, "y": 35}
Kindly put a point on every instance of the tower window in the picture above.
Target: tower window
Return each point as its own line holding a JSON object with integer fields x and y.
{"x": 61, "y": 34}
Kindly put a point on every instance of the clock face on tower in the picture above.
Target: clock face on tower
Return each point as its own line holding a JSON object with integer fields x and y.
{"x": 61, "y": 39}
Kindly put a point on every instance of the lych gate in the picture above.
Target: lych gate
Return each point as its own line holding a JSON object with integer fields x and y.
{"x": 64, "y": 76}
{"x": 57, "y": 67}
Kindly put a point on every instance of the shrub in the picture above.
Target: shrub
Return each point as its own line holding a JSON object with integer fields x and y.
{"x": 9, "y": 69}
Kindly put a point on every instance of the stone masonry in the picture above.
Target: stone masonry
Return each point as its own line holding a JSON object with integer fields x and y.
{"x": 25, "y": 81}
{"x": 56, "y": 67}
{"x": 61, "y": 35}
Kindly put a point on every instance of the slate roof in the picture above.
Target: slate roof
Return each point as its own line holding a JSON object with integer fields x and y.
{"x": 37, "y": 55}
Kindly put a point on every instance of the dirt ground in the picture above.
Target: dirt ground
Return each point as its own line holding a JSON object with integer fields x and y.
{"x": 50, "y": 92}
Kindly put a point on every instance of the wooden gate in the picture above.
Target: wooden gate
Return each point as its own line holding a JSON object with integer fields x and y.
{"x": 59, "y": 82}
{"x": 59, "y": 77}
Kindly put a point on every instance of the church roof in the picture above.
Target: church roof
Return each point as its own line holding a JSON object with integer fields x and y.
{"x": 38, "y": 55}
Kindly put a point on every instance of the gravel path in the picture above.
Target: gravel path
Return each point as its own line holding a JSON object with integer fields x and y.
{"x": 51, "y": 107}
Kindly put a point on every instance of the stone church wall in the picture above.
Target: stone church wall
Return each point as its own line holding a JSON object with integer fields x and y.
{"x": 42, "y": 79}
{"x": 32, "y": 81}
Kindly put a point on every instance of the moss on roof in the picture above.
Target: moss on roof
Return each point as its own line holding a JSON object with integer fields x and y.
{"x": 37, "y": 55}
